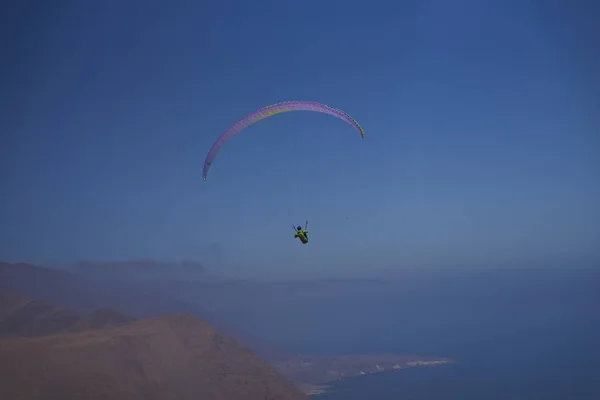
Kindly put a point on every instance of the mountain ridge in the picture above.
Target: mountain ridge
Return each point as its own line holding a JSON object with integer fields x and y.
{"x": 65, "y": 289}
{"x": 168, "y": 356}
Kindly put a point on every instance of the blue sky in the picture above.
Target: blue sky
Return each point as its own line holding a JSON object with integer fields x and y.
{"x": 481, "y": 122}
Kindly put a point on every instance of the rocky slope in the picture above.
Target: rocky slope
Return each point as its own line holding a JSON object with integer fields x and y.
{"x": 175, "y": 356}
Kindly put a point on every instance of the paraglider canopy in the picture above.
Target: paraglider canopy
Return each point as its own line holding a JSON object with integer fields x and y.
{"x": 268, "y": 112}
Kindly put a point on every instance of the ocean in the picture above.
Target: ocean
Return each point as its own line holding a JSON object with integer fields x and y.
{"x": 548, "y": 361}
{"x": 513, "y": 339}
{"x": 469, "y": 381}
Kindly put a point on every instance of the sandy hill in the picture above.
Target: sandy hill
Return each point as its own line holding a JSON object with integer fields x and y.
{"x": 82, "y": 295}
{"x": 175, "y": 356}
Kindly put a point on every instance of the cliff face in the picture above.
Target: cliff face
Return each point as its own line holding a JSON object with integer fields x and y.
{"x": 64, "y": 289}
{"x": 175, "y": 356}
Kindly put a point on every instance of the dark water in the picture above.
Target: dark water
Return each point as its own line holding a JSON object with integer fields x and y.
{"x": 546, "y": 362}
{"x": 467, "y": 382}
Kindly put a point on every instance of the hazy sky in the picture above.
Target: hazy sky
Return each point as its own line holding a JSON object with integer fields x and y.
{"x": 481, "y": 117}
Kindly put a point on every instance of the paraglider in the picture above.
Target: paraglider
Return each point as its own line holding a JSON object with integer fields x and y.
{"x": 301, "y": 234}
{"x": 269, "y": 111}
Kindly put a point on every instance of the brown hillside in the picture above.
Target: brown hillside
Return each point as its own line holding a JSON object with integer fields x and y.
{"x": 65, "y": 289}
{"x": 169, "y": 357}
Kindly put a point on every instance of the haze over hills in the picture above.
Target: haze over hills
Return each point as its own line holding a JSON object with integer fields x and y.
{"x": 111, "y": 355}
{"x": 141, "y": 270}
{"x": 102, "y": 318}
{"x": 86, "y": 295}
{"x": 21, "y": 316}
